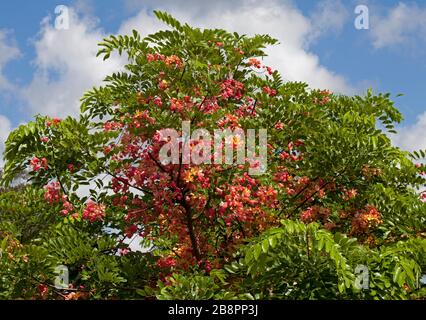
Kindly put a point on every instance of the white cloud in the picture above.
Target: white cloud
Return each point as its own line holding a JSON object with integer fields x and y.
{"x": 403, "y": 25}
{"x": 8, "y": 52}
{"x": 66, "y": 66}
{"x": 281, "y": 20}
{"x": 328, "y": 16}
{"x": 5, "y": 127}
{"x": 412, "y": 137}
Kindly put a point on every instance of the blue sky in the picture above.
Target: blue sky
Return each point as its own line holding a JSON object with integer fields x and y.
{"x": 45, "y": 70}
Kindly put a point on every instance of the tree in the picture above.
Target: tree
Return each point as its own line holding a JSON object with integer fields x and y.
{"x": 335, "y": 192}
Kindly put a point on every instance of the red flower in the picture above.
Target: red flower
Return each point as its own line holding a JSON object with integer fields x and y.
{"x": 163, "y": 85}
{"x": 269, "y": 70}
{"x": 166, "y": 262}
{"x": 35, "y": 162}
{"x": 123, "y": 252}
{"x": 232, "y": 89}
{"x": 349, "y": 194}
{"x": 269, "y": 91}
{"x": 279, "y": 125}
{"x": 423, "y": 196}
{"x": 366, "y": 219}
{"x": 284, "y": 155}
{"x": 53, "y": 121}
{"x": 111, "y": 126}
{"x": 308, "y": 215}
{"x": 254, "y": 62}
{"x": 93, "y": 211}
{"x": 176, "y": 105}
{"x": 43, "y": 290}
{"x": 130, "y": 231}
{"x": 173, "y": 60}
{"x": 52, "y": 193}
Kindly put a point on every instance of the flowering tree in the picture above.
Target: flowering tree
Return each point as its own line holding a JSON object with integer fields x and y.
{"x": 334, "y": 192}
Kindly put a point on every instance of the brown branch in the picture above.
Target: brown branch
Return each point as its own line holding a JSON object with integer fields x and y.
{"x": 125, "y": 182}
{"x": 190, "y": 226}
{"x": 157, "y": 163}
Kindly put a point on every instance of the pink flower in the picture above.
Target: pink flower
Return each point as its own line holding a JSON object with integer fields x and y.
{"x": 107, "y": 150}
{"x": 44, "y": 163}
{"x": 54, "y": 121}
{"x": 111, "y": 125}
{"x": 150, "y": 57}
{"x": 35, "y": 162}
{"x": 176, "y": 105}
{"x": 269, "y": 91}
{"x": 123, "y": 251}
{"x": 157, "y": 101}
{"x": 167, "y": 262}
{"x": 93, "y": 211}
{"x": 163, "y": 85}
{"x": 130, "y": 231}
{"x": 351, "y": 193}
{"x": 254, "y": 62}
{"x": 279, "y": 125}
{"x": 43, "y": 290}
{"x": 52, "y": 193}
{"x": 38, "y": 164}
{"x": 232, "y": 89}
{"x": 284, "y": 155}
{"x": 308, "y": 215}
{"x": 44, "y": 139}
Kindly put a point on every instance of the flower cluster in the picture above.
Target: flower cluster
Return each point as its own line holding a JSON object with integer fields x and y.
{"x": 315, "y": 213}
{"x": 43, "y": 290}
{"x": 232, "y": 89}
{"x": 112, "y": 126}
{"x": 52, "y": 193}
{"x": 38, "y": 164}
{"x": 270, "y": 92}
{"x": 365, "y": 220}
{"x": 324, "y": 97}
{"x": 172, "y": 60}
{"x": 166, "y": 262}
{"x": 53, "y": 122}
{"x": 423, "y": 196}
{"x": 253, "y": 62}
{"x": 142, "y": 118}
{"x": 349, "y": 194}
{"x": 370, "y": 172}
{"x": 93, "y": 211}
